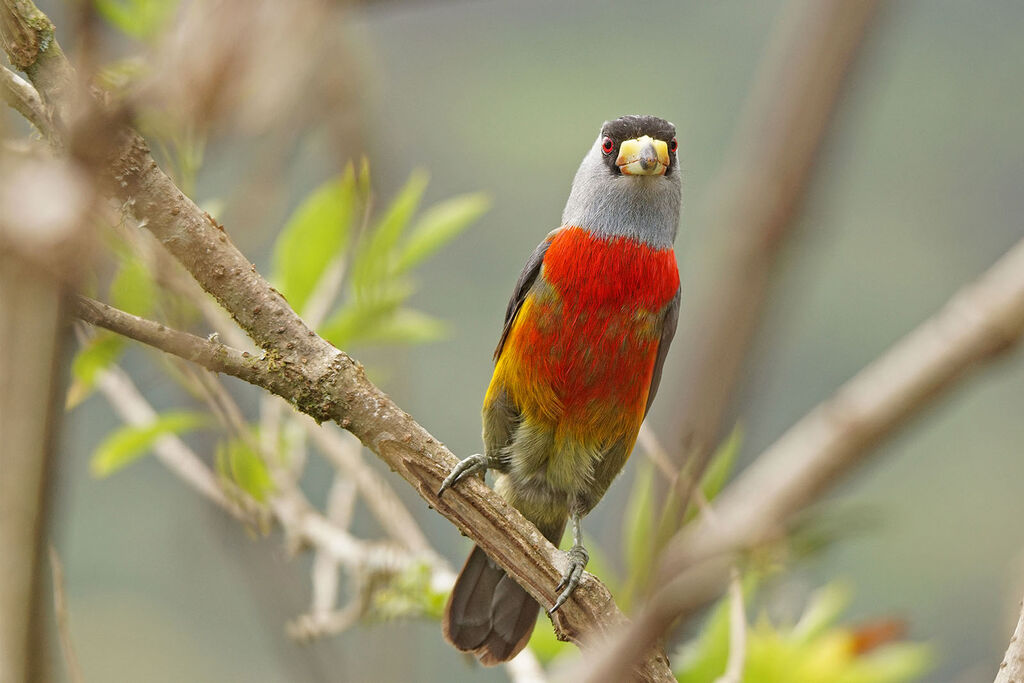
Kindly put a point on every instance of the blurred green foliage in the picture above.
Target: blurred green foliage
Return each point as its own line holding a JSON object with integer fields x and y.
{"x": 139, "y": 19}
{"x": 813, "y": 650}
{"x": 645, "y": 533}
{"x": 240, "y": 463}
{"x": 128, "y": 443}
{"x": 410, "y": 594}
{"x": 332, "y": 236}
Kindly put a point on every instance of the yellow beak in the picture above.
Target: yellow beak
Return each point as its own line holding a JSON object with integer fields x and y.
{"x": 643, "y": 156}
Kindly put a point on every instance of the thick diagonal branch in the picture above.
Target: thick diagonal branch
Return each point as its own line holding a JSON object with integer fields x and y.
{"x": 297, "y": 364}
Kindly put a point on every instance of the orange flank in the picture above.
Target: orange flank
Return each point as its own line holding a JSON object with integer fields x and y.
{"x": 581, "y": 352}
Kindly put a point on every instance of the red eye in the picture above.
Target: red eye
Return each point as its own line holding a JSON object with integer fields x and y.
{"x": 607, "y": 145}
{"x": 673, "y": 146}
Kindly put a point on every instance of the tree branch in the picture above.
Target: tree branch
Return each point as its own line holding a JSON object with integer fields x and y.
{"x": 317, "y": 378}
{"x": 1011, "y": 669}
{"x": 754, "y": 203}
{"x": 23, "y": 98}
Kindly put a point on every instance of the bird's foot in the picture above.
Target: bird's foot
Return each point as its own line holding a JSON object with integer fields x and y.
{"x": 578, "y": 558}
{"x": 474, "y": 464}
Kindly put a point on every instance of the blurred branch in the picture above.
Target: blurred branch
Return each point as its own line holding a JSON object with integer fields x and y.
{"x": 333, "y": 545}
{"x": 979, "y": 323}
{"x": 133, "y": 408}
{"x": 297, "y": 364}
{"x": 23, "y": 98}
{"x": 737, "y": 631}
{"x": 754, "y": 203}
{"x": 1011, "y": 669}
{"x": 297, "y": 517}
{"x": 60, "y": 609}
{"x": 378, "y": 495}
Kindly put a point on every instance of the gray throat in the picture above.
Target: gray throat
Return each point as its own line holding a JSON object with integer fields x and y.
{"x": 643, "y": 208}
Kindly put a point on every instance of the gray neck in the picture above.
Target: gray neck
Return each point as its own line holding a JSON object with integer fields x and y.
{"x": 643, "y": 208}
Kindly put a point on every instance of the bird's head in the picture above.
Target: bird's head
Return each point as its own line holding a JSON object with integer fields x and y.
{"x": 628, "y": 183}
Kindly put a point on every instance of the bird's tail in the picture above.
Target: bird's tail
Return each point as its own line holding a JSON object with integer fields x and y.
{"x": 488, "y": 613}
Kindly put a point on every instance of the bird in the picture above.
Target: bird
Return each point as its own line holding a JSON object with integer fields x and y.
{"x": 580, "y": 357}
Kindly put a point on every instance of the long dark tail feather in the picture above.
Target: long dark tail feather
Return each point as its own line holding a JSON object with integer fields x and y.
{"x": 488, "y": 613}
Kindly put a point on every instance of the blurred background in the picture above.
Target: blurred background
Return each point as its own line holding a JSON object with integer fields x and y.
{"x": 917, "y": 191}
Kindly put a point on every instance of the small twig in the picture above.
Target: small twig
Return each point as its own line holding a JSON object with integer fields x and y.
{"x": 1011, "y": 669}
{"x": 331, "y": 623}
{"x": 324, "y": 573}
{"x": 656, "y": 452}
{"x": 737, "y": 631}
{"x": 23, "y": 98}
{"x": 297, "y": 517}
{"x": 210, "y": 354}
{"x": 344, "y": 453}
{"x": 737, "y": 614}
{"x": 60, "y": 609}
{"x": 172, "y": 452}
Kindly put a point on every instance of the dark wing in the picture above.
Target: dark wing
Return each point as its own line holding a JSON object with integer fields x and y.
{"x": 668, "y": 331}
{"x": 523, "y": 284}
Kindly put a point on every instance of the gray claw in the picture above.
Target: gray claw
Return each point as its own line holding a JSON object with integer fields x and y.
{"x": 578, "y": 558}
{"x": 474, "y": 464}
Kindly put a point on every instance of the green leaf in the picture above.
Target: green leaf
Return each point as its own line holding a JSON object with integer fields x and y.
{"x": 638, "y": 530}
{"x": 364, "y": 313}
{"x": 363, "y": 180}
{"x": 404, "y": 326}
{"x": 116, "y": 76}
{"x": 238, "y": 462}
{"x": 822, "y": 612}
{"x": 130, "y": 442}
{"x": 721, "y": 464}
{"x": 141, "y": 19}
{"x": 96, "y": 356}
{"x": 133, "y": 289}
{"x": 816, "y": 649}
{"x": 545, "y": 645}
{"x": 703, "y": 659}
{"x": 315, "y": 235}
{"x": 438, "y": 225}
{"x": 410, "y": 594}
{"x": 374, "y": 261}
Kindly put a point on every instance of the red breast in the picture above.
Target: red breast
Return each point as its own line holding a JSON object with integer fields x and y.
{"x": 582, "y": 351}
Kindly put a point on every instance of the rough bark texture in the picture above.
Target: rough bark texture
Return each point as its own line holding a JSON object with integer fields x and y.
{"x": 317, "y": 378}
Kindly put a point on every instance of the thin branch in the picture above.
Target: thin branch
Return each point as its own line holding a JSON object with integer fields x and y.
{"x": 220, "y": 358}
{"x": 378, "y": 495}
{"x": 298, "y": 518}
{"x": 1011, "y": 669}
{"x": 60, "y": 610}
{"x": 212, "y": 355}
{"x": 656, "y": 453}
{"x": 134, "y": 409}
{"x": 23, "y": 98}
{"x": 308, "y": 371}
{"x": 325, "y": 573}
{"x": 737, "y": 631}
{"x": 755, "y": 202}
{"x": 979, "y": 324}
